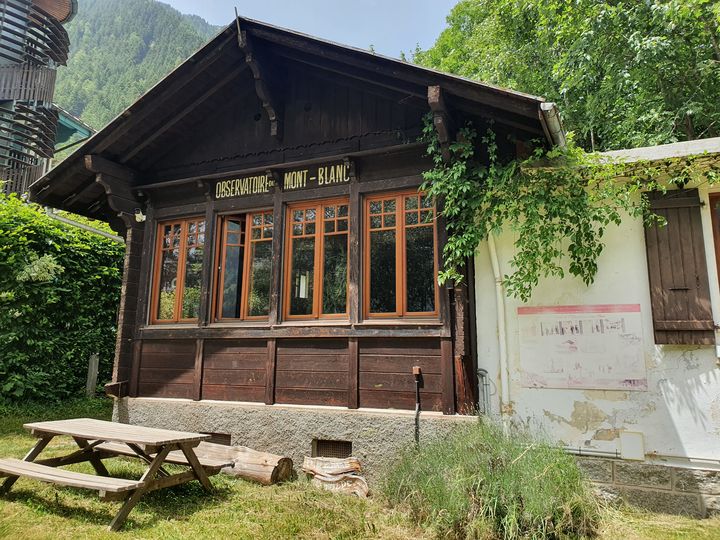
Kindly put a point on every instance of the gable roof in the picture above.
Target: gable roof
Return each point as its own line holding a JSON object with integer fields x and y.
{"x": 131, "y": 139}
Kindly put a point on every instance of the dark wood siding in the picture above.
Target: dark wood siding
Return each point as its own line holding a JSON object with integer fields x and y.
{"x": 679, "y": 287}
{"x": 167, "y": 368}
{"x": 386, "y": 379}
{"x": 234, "y": 370}
{"x": 312, "y": 371}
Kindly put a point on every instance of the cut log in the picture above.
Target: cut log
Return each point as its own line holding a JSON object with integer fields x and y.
{"x": 336, "y": 475}
{"x": 330, "y": 466}
{"x": 249, "y": 464}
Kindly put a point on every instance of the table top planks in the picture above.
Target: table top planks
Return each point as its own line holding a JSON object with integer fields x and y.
{"x": 91, "y": 429}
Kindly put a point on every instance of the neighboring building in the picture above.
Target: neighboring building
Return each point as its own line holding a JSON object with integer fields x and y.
{"x": 625, "y": 369}
{"x": 278, "y": 252}
{"x": 33, "y": 43}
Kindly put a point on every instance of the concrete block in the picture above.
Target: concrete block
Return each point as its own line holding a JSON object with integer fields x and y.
{"x": 378, "y": 437}
{"x": 638, "y": 474}
{"x": 711, "y": 505}
{"x": 596, "y": 469}
{"x": 697, "y": 481}
{"x": 667, "y": 502}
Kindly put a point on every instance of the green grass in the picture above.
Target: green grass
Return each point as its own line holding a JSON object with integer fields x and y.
{"x": 243, "y": 510}
{"x": 237, "y": 509}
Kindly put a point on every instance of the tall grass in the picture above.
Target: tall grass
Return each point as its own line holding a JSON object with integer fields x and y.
{"x": 479, "y": 483}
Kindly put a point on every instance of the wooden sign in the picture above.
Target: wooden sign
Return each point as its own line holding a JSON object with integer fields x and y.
{"x": 243, "y": 187}
{"x": 314, "y": 176}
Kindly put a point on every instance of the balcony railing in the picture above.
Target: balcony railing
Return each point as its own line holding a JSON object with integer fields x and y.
{"x": 26, "y": 82}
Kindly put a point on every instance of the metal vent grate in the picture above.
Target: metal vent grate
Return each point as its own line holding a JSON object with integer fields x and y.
{"x": 331, "y": 449}
{"x": 218, "y": 438}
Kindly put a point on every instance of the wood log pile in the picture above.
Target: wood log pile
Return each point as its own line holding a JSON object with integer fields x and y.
{"x": 336, "y": 475}
{"x": 249, "y": 464}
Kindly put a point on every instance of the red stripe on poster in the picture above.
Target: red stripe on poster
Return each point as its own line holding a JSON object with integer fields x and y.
{"x": 598, "y": 308}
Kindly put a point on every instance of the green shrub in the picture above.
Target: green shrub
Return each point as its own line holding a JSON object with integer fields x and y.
{"x": 479, "y": 483}
{"x": 59, "y": 295}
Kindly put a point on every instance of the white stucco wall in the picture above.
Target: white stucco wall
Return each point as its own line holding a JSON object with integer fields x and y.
{"x": 679, "y": 413}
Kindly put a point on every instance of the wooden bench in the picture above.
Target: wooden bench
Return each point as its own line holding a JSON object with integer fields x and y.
{"x": 175, "y": 457}
{"x": 109, "y": 488}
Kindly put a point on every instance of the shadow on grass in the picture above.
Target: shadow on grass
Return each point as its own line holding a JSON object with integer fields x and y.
{"x": 176, "y": 503}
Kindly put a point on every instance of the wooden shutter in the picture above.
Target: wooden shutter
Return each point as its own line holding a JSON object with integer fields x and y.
{"x": 679, "y": 288}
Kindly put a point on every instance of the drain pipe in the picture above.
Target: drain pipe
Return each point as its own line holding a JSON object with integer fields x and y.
{"x": 417, "y": 373}
{"x": 505, "y": 403}
{"x": 482, "y": 375}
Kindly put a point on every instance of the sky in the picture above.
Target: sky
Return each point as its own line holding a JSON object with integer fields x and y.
{"x": 390, "y": 26}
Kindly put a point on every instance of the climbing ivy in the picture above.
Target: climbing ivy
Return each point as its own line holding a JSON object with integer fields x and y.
{"x": 557, "y": 203}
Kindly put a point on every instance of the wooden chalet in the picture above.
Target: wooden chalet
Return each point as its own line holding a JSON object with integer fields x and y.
{"x": 278, "y": 249}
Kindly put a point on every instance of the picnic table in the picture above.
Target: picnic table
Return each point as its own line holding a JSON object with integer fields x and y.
{"x": 99, "y": 439}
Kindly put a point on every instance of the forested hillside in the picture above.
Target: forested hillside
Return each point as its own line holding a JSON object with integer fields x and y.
{"x": 119, "y": 49}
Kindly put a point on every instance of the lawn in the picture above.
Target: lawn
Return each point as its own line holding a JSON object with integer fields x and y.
{"x": 237, "y": 509}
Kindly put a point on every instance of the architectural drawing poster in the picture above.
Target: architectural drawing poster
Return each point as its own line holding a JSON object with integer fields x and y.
{"x": 592, "y": 347}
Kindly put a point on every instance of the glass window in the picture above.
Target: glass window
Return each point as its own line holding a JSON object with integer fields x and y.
{"x": 317, "y": 255}
{"x": 400, "y": 265}
{"x": 178, "y": 272}
{"x": 245, "y": 266}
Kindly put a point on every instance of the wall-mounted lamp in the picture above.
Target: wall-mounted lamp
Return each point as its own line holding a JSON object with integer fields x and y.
{"x": 139, "y": 216}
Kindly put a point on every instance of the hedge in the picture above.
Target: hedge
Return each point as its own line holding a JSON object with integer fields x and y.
{"x": 59, "y": 295}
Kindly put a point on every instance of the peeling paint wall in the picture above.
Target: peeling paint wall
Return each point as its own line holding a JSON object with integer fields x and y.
{"x": 679, "y": 413}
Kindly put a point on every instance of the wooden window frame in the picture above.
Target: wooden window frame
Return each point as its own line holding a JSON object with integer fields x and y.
{"x": 319, "y": 249}
{"x": 219, "y": 266}
{"x": 400, "y": 257}
{"x": 182, "y": 259}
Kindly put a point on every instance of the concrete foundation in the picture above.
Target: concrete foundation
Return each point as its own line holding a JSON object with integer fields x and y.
{"x": 659, "y": 488}
{"x": 377, "y": 436}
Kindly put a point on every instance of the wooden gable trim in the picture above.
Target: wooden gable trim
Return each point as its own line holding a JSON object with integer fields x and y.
{"x": 502, "y": 99}
{"x": 264, "y": 92}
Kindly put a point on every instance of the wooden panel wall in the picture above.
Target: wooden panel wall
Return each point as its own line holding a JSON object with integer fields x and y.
{"x": 167, "y": 368}
{"x": 312, "y": 371}
{"x": 386, "y": 379}
{"x": 234, "y": 370}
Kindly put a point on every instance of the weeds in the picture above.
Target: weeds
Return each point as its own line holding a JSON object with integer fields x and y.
{"x": 479, "y": 483}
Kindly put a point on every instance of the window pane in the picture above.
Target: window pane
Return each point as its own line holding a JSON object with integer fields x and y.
{"x": 193, "y": 278}
{"x": 420, "y": 271}
{"x": 411, "y": 202}
{"x": 232, "y": 282}
{"x": 335, "y": 274}
{"x": 168, "y": 285}
{"x": 382, "y": 272}
{"x": 302, "y": 276}
{"x": 260, "y": 277}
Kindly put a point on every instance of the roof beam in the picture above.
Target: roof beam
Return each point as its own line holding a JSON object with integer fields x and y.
{"x": 443, "y": 122}
{"x": 182, "y": 113}
{"x": 101, "y": 165}
{"x": 270, "y": 104}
